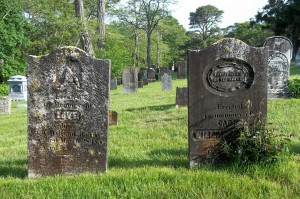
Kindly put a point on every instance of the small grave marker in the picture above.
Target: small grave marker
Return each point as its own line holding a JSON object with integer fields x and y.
{"x": 5, "y": 105}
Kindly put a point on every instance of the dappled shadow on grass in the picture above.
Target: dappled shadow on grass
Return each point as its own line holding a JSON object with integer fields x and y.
{"x": 295, "y": 148}
{"x": 157, "y": 158}
{"x": 13, "y": 169}
{"x": 153, "y": 108}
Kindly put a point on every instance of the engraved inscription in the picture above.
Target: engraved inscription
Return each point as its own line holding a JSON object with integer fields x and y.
{"x": 229, "y": 76}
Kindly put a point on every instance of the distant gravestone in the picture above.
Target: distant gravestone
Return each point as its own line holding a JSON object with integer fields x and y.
{"x": 151, "y": 75}
{"x": 113, "y": 118}
{"x": 166, "y": 81}
{"x": 227, "y": 85}
{"x": 5, "y": 104}
{"x": 140, "y": 84}
{"x": 113, "y": 83}
{"x": 145, "y": 81}
{"x": 163, "y": 70}
{"x": 181, "y": 69}
{"x": 181, "y": 96}
{"x": 280, "y": 55}
{"x": 119, "y": 80}
{"x": 18, "y": 88}
{"x": 67, "y": 113}
{"x": 297, "y": 59}
{"x": 130, "y": 80}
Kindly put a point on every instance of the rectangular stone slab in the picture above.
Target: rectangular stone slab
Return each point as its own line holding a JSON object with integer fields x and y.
{"x": 68, "y": 113}
{"x": 227, "y": 84}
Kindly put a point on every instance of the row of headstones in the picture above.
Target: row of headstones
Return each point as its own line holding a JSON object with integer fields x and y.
{"x": 134, "y": 78}
{"x": 68, "y": 100}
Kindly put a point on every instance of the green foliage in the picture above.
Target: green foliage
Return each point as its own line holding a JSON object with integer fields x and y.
{"x": 252, "y": 34}
{"x": 255, "y": 143}
{"x": 294, "y": 87}
{"x": 54, "y": 24}
{"x": 4, "y": 89}
{"x": 205, "y": 20}
{"x": 148, "y": 156}
{"x": 13, "y": 40}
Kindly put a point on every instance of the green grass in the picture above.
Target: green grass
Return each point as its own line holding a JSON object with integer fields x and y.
{"x": 148, "y": 156}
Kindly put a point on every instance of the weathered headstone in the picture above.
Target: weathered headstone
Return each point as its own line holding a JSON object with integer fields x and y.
{"x": 5, "y": 104}
{"x": 145, "y": 81}
{"x": 18, "y": 88}
{"x": 67, "y": 113}
{"x": 113, "y": 118}
{"x": 113, "y": 83}
{"x": 227, "y": 85}
{"x": 280, "y": 55}
{"x": 181, "y": 96}
{"x": 181, "y": 69}
{"x": 130, "y": 80}
{"x": 166, "y": 81}
{"x": 151, "y": 75}
{"x": 119, "y": 80}
{"x": 163, "y": 70}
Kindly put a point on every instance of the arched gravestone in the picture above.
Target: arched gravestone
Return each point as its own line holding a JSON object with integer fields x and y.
{"x": 130, "y": 80}
{"x": 67, "y": 113}
{"x": 280, "y": 55}
{"x": 224, "y": 80}
{"x": 166, "y": 82}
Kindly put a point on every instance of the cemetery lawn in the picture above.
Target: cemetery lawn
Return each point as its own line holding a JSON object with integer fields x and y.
{"x": 148, "y": 156}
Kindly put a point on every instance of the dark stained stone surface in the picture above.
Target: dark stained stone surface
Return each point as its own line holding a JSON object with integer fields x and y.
{"x": 130, "y": 80}
{"x": 181, "y": 96}
{"x": 67, "y": 113}
{"x": 151, "y": 75}
{"x": 163, "y": 70}
{"x": 181, "y": 69}
{"x": 140, "y": 84}
{"x": 5, "y": 105}
{"x": 113, "y": 118}
{"x": 166, "y": 82}
{"x": 280, "y": 55}
{"x": 227, "y": 81}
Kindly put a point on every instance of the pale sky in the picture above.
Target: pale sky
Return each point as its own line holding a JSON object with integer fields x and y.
{"x": 235, "y": 11}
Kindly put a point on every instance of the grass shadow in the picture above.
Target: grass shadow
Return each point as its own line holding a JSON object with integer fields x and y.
{"x": 14, "y": 169}
{"x": 152, "y": 108}
{"x": 295, "y": 148}
{"x": 158, "y": 158}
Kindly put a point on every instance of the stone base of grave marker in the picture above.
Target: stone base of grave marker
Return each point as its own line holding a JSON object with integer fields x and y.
{"x": 181, "y": 96}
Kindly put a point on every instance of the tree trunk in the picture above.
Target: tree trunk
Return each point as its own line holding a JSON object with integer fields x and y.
{"x": 101, "y": 23}
{"x": 149, "y": 49}
{"x": 84, "y": 35}
{"x": 135, "y": 58}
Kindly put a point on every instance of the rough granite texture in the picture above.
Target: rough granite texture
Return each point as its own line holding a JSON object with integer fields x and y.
{"x": 68, "y": 104}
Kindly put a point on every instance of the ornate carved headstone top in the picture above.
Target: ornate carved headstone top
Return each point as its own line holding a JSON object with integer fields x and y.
{"x": 166, "y": 82}
{"x": 227, "y": 85}
{"x": 67, "y": 113}
{"x": 5, "y": 104}
{"x": 280, "y": 55}
{"x": 130, "y": 80}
